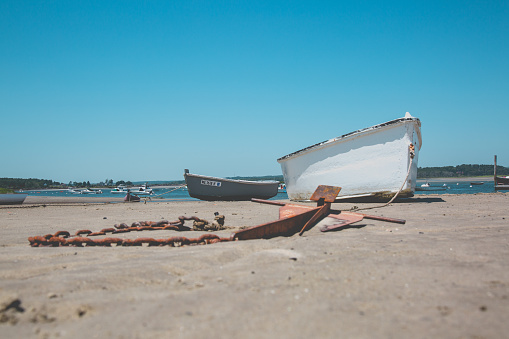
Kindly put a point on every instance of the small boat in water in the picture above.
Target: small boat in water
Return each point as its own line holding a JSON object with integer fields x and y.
{"x": 428, "y": 187}
{"x": 378, "y": 162}
{"x": 12, "y": 198}
{"x": 120, "y": 189}
{"x": 91, "y": 191}
{"x": 142, "y": 190}
{"x": 477, "y": 183}
{"x": 503, "y": 180}
{"x": 212, "y": 188}
{"x": 501, "y": 183}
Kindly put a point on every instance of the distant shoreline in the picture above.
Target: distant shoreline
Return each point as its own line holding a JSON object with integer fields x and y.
{"x": 420, "y": 180}
{"x": 459, "y": 179}
{"x": 442, "y": 179}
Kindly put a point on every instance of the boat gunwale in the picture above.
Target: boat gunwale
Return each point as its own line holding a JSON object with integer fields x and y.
{"x": 236, "y": 181}
{"x": 352, "y": 134}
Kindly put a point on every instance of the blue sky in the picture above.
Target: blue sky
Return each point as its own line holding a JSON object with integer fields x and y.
{"x": 141, "y": 90}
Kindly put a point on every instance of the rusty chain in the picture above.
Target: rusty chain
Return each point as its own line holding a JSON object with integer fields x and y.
{"x": 64, "y": 238}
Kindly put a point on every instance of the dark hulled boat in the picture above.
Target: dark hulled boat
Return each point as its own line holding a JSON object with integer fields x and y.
{"x": 212, "y": 188}
{"x": 501, "y": 183}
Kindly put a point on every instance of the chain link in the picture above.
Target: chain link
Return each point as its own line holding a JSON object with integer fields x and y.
{"x": 64, "y": 238}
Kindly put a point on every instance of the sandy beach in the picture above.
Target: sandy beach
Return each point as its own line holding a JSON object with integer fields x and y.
{"x": 444, "y": 274}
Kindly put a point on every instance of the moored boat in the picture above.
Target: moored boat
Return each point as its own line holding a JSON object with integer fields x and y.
{"x": 12, "y": 198}
{"x": 378, "y": 161}
{"x": 501, "y": 183}
{"x": 428, "y": 187}
{"x": 213, "y": 188}
{"x": 503, "y": 180}
{"x": 120, "y": 189}
{"x": 91, "y": 191}
{"x": 142, "y": 190}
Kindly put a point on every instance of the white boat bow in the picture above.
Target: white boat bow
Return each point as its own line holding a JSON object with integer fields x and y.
{"x": 377, "y": 161}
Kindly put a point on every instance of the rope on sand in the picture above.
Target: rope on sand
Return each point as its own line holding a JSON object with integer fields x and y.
{"x": 158, "y": 195}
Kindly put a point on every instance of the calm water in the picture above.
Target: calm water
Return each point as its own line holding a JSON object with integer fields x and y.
{"x": 164, "y": 194}
{"x": 160, "y": 194}
{"x": 458, "y": 187}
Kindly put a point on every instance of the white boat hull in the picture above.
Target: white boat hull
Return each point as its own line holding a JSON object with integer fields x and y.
{"x": 143, "y": 190}
{"x": 370, "y": 162}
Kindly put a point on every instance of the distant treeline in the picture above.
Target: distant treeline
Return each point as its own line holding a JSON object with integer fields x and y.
{"x": 422, "y": 173}
{"x": 27, "y": 184}
{"x": 460, "y": 171}
{"x": 31, "y": 184}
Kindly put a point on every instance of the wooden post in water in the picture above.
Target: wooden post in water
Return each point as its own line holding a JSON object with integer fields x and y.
{"x": 495, "y": 172}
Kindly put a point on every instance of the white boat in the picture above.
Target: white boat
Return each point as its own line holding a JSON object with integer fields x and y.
{"x": 12, "y": 198}
{"x": 142, "y": 190}
{"x": 372, "y": 162}
{"x": 120, "y": 189}
{"x": 428, "y": 187}
{"x": 74, "y": 191}
{"x": 91, "y": 191}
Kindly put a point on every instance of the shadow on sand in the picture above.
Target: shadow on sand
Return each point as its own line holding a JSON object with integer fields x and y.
{"x": 346, "y": 227}
{"x": 420, "y": 200}
{"x": 397, "y": 201}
